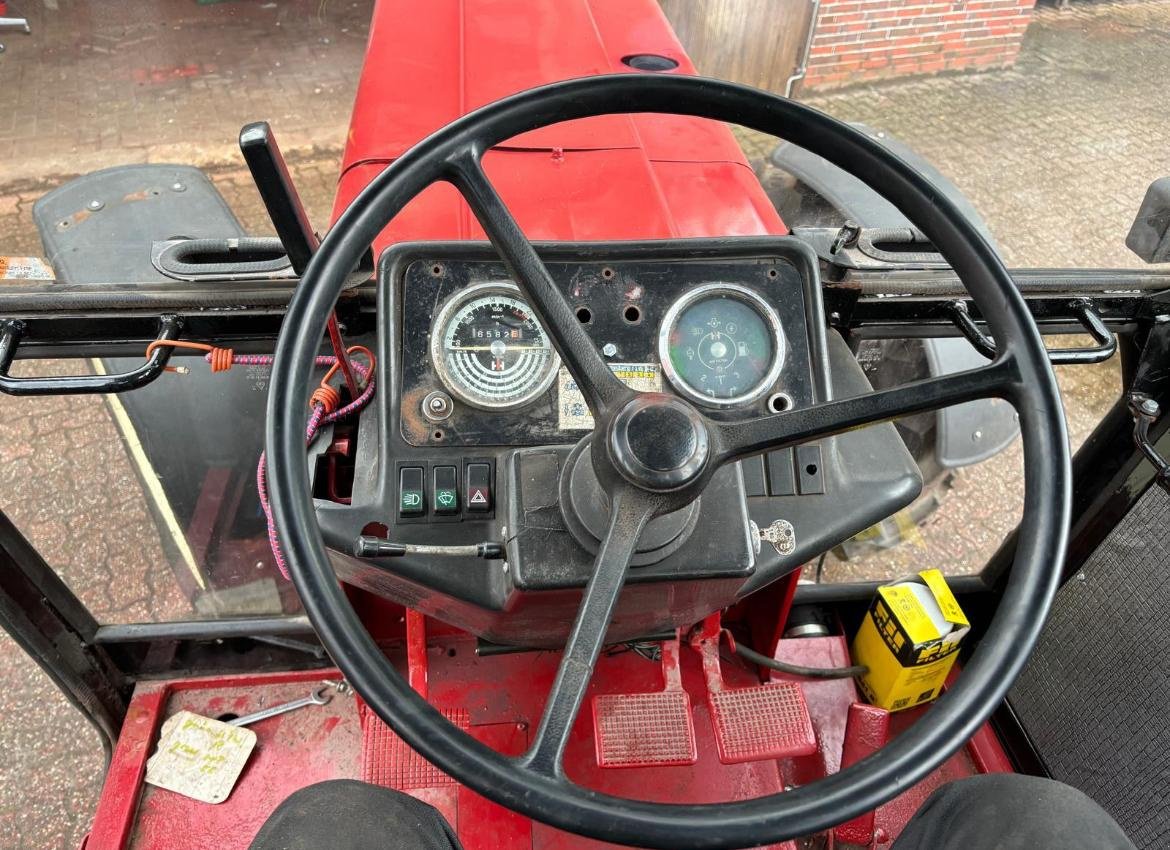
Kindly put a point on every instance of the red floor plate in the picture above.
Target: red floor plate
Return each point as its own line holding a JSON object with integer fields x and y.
{"x": 503, "y": 696}
{"x": 389, "y": 761}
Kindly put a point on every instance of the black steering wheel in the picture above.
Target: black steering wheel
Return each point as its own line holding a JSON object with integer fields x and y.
{"x": 654, "y": 453}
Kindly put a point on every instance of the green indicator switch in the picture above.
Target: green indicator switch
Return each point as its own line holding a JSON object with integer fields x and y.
{"x": 446, "y": 490}
{"x": 410, "y": 491}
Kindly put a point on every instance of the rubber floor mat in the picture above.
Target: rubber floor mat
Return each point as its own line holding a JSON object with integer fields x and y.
{"x": 1095, "y": 696}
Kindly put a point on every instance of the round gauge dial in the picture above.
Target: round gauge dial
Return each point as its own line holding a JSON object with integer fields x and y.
{"x": 490, "y": 350}
{"x": 721, "y": 345}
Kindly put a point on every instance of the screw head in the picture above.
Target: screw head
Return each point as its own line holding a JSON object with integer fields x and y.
{"x": 95, "y": 205}
{"x": 178, "y": 187}
{"x": 437, "y": 406}
{"x": 1149, "y": 406}
{"x": 609, "y": 349}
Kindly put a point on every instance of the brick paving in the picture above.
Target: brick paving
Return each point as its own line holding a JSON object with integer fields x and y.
{"x": 1055, "y": 152}
{"x": 173, "y": 81}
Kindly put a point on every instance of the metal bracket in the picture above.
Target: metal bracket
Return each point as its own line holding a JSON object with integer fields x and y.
{"x": 1145, "y": 413}
{"x": 11, "y": 331}
{"x": 1081, "y": 309}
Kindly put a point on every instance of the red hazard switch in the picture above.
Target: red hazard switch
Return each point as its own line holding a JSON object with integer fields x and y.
{"x": 479, "y": 487}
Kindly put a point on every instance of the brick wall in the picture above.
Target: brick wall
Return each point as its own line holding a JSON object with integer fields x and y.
{"x": 863, "y": 40}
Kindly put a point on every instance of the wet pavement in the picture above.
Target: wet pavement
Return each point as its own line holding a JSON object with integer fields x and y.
{"x": 1056, "y": 153}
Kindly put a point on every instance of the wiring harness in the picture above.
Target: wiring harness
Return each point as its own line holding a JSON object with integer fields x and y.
{"x": 325, "y": 407}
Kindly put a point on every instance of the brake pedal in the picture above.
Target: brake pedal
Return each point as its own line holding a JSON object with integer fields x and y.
{"x": 758, "y": 723}
{"x": 649, "y": 729}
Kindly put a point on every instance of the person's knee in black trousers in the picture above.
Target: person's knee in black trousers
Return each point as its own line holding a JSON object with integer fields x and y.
{"x": 993, "y": 812}
{"x": 1007, "y": 811}
{"x": 344, "y": 814}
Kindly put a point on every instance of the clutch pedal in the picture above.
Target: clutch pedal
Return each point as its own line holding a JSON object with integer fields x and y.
{"x": 649, "y": 729}
{"x": 757, "y": 723}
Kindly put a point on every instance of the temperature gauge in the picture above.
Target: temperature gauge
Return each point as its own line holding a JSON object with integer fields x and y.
{"x": 721, "y": 345}
{"x": 490, "y": 350}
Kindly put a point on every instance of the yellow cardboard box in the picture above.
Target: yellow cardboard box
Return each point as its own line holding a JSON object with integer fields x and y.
{"x": 909, "y": 640}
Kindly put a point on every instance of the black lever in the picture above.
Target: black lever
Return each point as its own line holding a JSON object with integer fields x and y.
{"x": 270, "y": 173}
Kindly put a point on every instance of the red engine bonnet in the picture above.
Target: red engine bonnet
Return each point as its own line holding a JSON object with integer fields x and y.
{"x": 605, "y": 178}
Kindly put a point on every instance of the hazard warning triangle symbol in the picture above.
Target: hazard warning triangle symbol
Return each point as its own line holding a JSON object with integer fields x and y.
{"x": 478, "y": 497}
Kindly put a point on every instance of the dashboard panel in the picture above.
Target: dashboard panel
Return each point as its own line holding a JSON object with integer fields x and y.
{"x": 489, "y": 463}
{"x": 732, "y": 335}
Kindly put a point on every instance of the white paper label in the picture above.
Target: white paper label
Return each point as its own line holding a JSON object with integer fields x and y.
{"x": 25, "y": 268}
{"x": 199, "y": 757}
{"x": 572, "y": 412}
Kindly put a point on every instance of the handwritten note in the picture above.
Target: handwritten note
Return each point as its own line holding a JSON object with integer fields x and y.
{"x": 199, "y": 757}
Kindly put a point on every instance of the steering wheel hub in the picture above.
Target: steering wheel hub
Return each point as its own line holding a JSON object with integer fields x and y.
{"x": 659, "y": 442}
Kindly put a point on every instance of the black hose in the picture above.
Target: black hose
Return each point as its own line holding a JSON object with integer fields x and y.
{"x": 799, "y": 670}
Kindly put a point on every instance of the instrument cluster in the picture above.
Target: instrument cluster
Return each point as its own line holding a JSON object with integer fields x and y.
{"x": 731, "y": 336}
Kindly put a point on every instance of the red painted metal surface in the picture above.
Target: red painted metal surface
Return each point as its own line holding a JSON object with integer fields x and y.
{"x": 866, "y": 731}
{"x": 293, "y": 750}
{"x": 498, "y": 699}
{"x": 114, "y": 817}
{"x": 766, "y": 612}
{"x": 892, "y": 817}
{"x": 987, "y": 752}
{"x": 611, "y": 177}
{"x": 416, "y": 651}
{"x": 828, "y": 703}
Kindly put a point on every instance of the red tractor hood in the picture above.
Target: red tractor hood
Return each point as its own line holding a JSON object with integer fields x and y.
{"x": 611, "y": 177}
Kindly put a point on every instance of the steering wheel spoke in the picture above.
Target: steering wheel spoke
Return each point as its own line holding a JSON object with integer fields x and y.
{"x": 630, "y": 510}
{"x": 740, "y": 439}
{"x": 597, "y": 382}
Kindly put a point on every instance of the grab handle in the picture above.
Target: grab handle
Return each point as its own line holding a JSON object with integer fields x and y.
{"x": 11, "y": 331}
{"x": 1090, "y": 321}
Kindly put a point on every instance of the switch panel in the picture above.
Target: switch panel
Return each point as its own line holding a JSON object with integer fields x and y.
{"x": 781, "y": 479}
{"x": 810, "y": 476}
{"x": 445, "y": 490}
{"x": 479, "y": 488}
{"x": 410, "y": 491}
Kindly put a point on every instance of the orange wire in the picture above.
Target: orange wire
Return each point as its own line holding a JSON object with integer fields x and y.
{"x": 177, "y": 343}
{"x": 220, "y": 359}
{"x": 325, "y": 394}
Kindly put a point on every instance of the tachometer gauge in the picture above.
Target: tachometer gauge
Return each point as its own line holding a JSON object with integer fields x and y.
{"x": 721, "y": 345}
{"x": 490, "y": 350}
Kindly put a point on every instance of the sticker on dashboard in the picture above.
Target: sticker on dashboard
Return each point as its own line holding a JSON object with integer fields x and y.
{"x": 572, "y": 412}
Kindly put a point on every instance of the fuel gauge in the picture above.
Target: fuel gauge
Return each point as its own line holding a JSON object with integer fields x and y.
{"x": 721, "y": 345}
